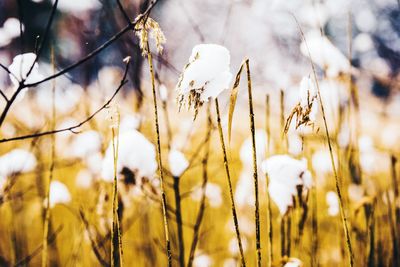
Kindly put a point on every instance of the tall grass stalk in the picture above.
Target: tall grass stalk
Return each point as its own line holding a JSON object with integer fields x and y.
{"x": 228, "y": 175}
{"x": 337, "y": 183}
{"x": 178, "y": 216}
{"x": 167, "y": 124}
{"x": 395, "y": 185}
{"x": 268, "y": 199}
{"x": 371, "y": 234}
{"x": 284, "y": 138}
{"x": 255, "y": 169}
{"x": 46, "y": 223}
{"x": 200, "y": 214}
{"x": 160, "y": 165}
{"x": 116, "y": 239}
{"x": 314, "y": 225}
{"x": 395, "y": 244}
{"x": 283, "y": 235}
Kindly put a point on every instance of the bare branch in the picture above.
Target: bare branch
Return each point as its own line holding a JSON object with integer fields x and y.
{"x": 97, "y": 50}
{"x": 73, "y": 128}
{"x": 73, "y": 66}
{"x": 45, "y": 36}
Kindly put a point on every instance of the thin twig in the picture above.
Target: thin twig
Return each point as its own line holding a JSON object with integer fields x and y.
{"x": 45, "y": 36}
{"x": 118, "y": 35}
{"x": 73, "y": 128}
{"x": 51, "y": 171}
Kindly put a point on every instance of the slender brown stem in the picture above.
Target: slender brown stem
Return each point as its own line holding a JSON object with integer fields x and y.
{"x": 178, "y": 216}
{"x": 371, "y": 235}
{"x": 255, "y": 169}
{"x": 268, "y": 199}
{"x": 282, "y": 119}
{"x": 283, "y": 236}
{"x": 160, "y": 165}
{"x": 50, "y": 178}
{"x": 395, "y": 185}
{"x": 228, "y": 175}
{"x": 395, "y": 244}
{"x": 288, "y": 233}
{"x": 200, "y": 215}
{"x": 314, "y": 222}
{"x": 337, "y": 183}
{"x": 116, "y": 246}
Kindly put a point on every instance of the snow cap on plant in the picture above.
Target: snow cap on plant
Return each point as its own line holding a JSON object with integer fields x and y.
{"x": 325, "y": 54}
{"x": 9, "y": 31}
{"x": 177, "y": 162}
{"x": 202, "y": 260}
{"x": 286, "y": 175}
{"x": 136, "y": 155}
{"x": 59, "y": 194}
{"x": 213, "y": 194}
{"x": 16, "y": 161}
{"x": 293, "y": 262}
{"x": 20, "y": 67}
{"x": 333, "y": 203}
{"x": 205, "y": 76}
{"x": 86, "y": 144}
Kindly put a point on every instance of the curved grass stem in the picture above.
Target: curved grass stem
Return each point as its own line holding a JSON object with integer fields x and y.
{"x": 337, "y": 183}
{"x": 228, "y": 175}
{"x": 160, "y": 165}
{"x": 255, "y": 169}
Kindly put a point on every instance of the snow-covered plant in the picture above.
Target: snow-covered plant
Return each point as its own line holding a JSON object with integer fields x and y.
{"x": 59, "y": 193}
{"x": 86, "y": 144}
{"x": 213, "y": 194}
{"x": 20, "y": 67}
{"x": 202, "y": 260}
{"x": 9, "y": 31}
{"x": 136, "y": 155}
{"x": 333, "y": 203}
{"x": 325, "y": 54}
{"x": 293, "y": 262}
{"x": 246, "y": 148}
{"x": 177, "y": 162}
{"x": 205, "y": 76}
{"x": 307, "y": 108}
{"x": 16, "y": 161}
{"x": 286, "y": 176}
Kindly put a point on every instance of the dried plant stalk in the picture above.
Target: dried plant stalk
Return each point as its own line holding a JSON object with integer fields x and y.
{"x": 337, "y": 183}
{"x": 51, "y": 170}
{"x": 268, "y": 198}
{"x": 228, "y": 175}
{"x": 160, "y": 165}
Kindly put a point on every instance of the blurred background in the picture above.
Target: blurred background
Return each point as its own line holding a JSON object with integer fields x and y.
{"x": 363, "y": 117}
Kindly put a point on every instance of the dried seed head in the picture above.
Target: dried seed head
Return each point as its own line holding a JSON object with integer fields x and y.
{"x": 307, "y": 108}
{"x": 204, "y": 77}
{"x": 143, "y": 28}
